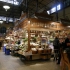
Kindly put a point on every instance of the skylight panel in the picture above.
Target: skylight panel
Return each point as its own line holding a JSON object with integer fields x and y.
{"x": 53, "y": 10}
{"x": 58, "y": 7}
{"x": 11, "y": 2}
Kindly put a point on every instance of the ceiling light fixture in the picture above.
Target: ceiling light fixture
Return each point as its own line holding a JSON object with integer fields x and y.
{"x": 6, "y": 7}
{"x": 1, "y": 21}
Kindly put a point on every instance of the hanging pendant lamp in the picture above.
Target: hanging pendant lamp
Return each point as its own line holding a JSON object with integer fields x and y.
{"x": 6, "y": 7}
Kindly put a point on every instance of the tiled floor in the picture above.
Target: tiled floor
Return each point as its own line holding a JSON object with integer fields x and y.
{"x": 8, "y": 62}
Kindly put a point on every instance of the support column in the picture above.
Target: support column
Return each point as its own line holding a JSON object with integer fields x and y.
{"x": 56, "y": 10}
{"x": 63, "y": 8}
{"x": 13, "y": 12}
{"x": 26, "y": 3}
{"x": 36, "y": 5}
{"x": 29, "y": 47}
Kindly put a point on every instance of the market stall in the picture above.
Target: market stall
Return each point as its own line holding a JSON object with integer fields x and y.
{"x": 38, "y": 37}
{"x": 33, "y": 37}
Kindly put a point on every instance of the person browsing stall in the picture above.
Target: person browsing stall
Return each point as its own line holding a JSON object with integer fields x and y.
{"x": 67, "y": 42}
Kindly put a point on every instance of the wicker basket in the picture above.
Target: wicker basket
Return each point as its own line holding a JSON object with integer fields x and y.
{"x": 40, "y": 51}
{"x": 47, "y": 51}
{"x": 34, "y": 52}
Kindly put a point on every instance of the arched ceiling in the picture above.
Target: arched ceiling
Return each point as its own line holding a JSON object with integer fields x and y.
{"x": 33, "y": 6}
{"x": 29, "y": 6}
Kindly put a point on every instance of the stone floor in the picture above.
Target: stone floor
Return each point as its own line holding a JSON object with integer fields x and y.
{"x": 8, "y": 62}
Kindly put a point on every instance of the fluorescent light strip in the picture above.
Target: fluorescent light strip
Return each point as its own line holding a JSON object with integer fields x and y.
{"x": 11, "y": 1}
{"x": 9, "y": 18}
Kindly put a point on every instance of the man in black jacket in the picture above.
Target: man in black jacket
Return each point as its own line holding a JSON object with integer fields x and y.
{"x": 67, "y": 46}
{"x": 67, "y": 42}
{"x": 60, "y": 49}
{"x": 56, "y": 44}
{"x": 63, "y": 45}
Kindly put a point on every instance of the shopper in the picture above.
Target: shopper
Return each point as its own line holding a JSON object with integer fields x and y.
{"x": 67, "y": 46}
{"x": 67, "y": 42}
{"x": 0, "y": 45}
{"x": 55, "y": 45}
{"x": 60, "y": 49}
